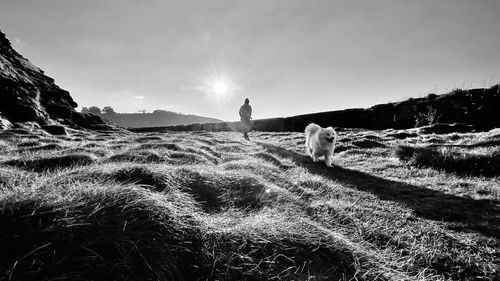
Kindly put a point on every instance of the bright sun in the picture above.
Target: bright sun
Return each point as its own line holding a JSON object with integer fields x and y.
{"x": 218, "y": 84}
{"x": 220, "y": 88}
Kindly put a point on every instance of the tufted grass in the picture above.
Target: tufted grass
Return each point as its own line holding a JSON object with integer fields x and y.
{"x": 42, "y": 164}
{"x": 97, "y": 232}
{"x": 211, "y": 206}
{"x": 459, "y": 161}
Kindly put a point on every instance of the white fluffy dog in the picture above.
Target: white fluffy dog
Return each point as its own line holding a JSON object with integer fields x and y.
{"x": 320, "y": 142}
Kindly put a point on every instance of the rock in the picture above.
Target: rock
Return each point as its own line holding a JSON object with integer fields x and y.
{"x": 92, "y": 122}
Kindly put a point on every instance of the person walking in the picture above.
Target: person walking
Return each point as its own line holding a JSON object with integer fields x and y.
{"x": 245, "y": 116}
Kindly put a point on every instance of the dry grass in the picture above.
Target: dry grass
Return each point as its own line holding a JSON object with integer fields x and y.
{"x": 42, "y": 164}
{"x": 396, "y": 205}
{"x": 97, "y": 232}
{"x": 460, "y": 161}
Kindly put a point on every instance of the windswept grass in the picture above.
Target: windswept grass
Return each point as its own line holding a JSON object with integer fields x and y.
{"x": 139, "y": 156}
{"x": 28, "y": 144}
{"x": 50, "y": 146}
{"x": 266, "y": 246}
{"x": 97, "y": 232}
{"x": 143, "y": 175}
{"x": 42, "y": 164}
{"x": 161, "y": 145}
{"x": 216, "y": 189}
{"x": 14, "y": 179}
{"x": 452, "y": 160}
{"x": 148, "y": 139}
{"x": 212, "y": 206}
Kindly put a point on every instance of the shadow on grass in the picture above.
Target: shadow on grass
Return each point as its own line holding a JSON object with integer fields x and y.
{"x": 480, "y": 215}
{"x": 458, "y": 162}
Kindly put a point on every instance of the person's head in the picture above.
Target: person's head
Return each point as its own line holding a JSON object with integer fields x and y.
{"x": 247, "y": 101}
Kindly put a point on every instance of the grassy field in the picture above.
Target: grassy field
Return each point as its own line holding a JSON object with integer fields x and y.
{"x": 396, "y": 205}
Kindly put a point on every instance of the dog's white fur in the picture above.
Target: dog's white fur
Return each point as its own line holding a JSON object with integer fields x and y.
{"x": 320, "y": 142}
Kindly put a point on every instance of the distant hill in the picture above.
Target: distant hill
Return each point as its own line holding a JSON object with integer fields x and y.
{"x": 155, "y": 119}
{"x": 476, "y": 107}
{"x": 28, "y": 95}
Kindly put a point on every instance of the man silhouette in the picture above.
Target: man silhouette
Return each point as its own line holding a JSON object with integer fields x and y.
{"x": 245, "y": 116}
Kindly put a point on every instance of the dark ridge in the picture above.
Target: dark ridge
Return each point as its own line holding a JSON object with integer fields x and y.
{"x": 475, "y": 107}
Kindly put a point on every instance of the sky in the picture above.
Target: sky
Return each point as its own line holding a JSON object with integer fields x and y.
{"x": 289, "y": 57}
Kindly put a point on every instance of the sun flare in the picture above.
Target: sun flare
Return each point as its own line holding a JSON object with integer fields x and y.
{"x": 220, "y": 88}
{"x": 218, "y": 84}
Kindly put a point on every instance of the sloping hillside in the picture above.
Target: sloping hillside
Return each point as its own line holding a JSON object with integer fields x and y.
{"x": 212, "y": 206}
{"x": 155, "y": 119}
{"x": 476, "y": 107}
{"x": 28, "y": 95}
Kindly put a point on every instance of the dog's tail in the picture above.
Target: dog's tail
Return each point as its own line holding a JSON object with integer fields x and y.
{"x": 311, "y": 129}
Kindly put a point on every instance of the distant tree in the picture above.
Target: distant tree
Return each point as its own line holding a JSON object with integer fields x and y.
{"x": 85, "y": 110}
{"x": 159, "y": 111}
{"x": 95, "y": 110}
{"x": 108, "y": 110}
{"x": 142, "y": 111}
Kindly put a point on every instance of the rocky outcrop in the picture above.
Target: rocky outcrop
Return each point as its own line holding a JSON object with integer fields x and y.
{"x": 476, "y": 108}
{"x": 28, "y": 95}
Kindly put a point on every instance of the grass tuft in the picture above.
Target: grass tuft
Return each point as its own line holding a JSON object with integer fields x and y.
{"x": 28, "y": 144}
{"x": 139, "y": 156}
{"x": 281, "y": 258}
{"x": 13, "y": 179}
{"x": 450, "y": 160}
{"x": 186, "y": 158}
{"x": 97, "y": 232}
{"x": 50, "y": 146}
{"x": 139, "y": 174}
{"x": 148, "y": 139}
{"x": 270, "y": 158}
{"x": 169, "y": 146}
{"x": 215, "y": 189}
{"x": 277, "y": 246}
{"x": 50, "y": 163}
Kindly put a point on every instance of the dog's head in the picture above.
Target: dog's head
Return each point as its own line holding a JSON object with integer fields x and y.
{"x": 328, "y": 134}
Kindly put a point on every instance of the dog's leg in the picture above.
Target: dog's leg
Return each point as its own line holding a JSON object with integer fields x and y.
{"x": 328, "y": 159}
{"x": 314, "y": 156}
